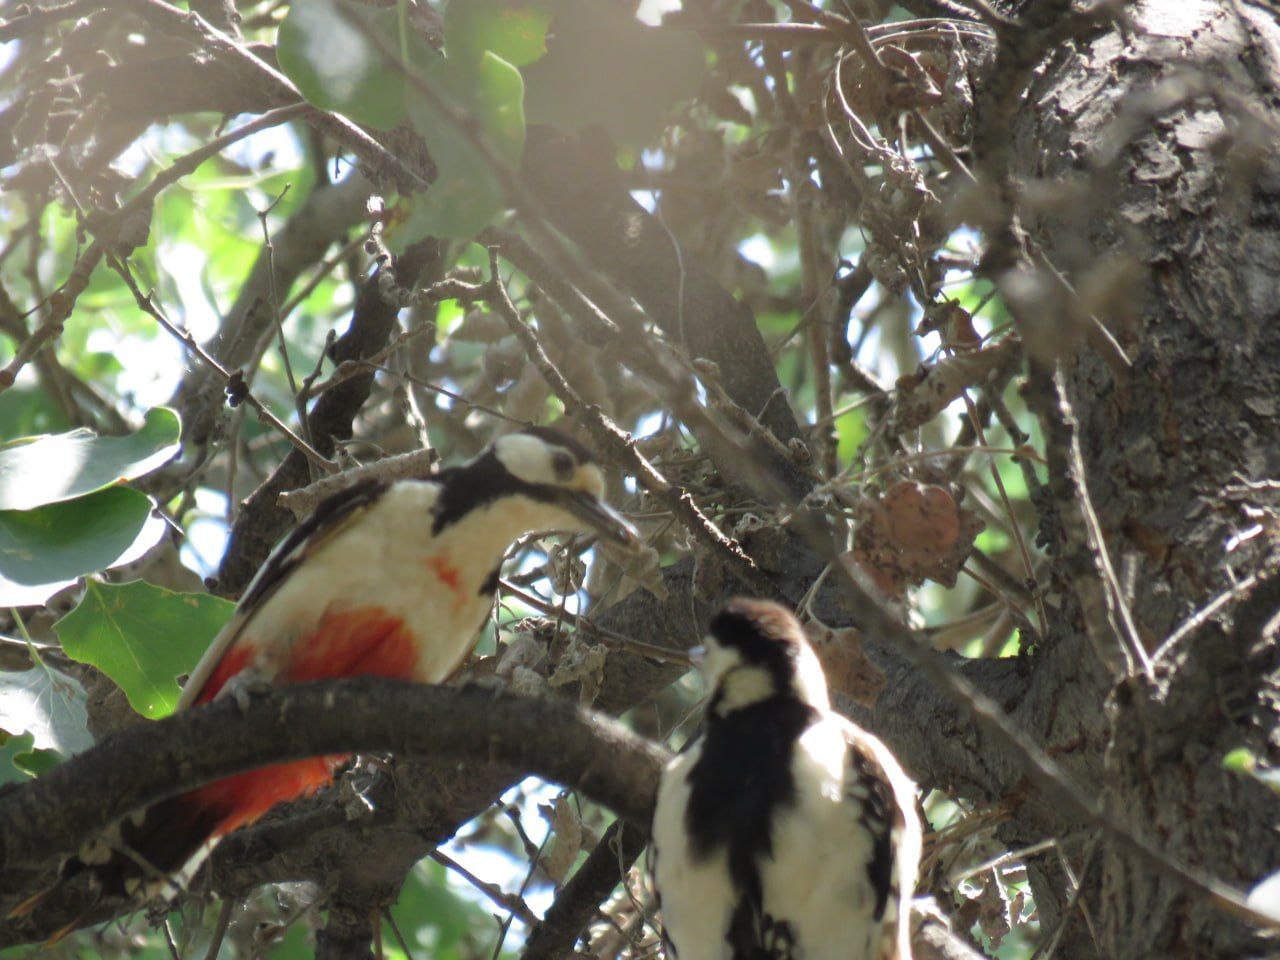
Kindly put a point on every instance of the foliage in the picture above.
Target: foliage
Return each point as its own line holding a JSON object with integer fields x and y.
{"x": 750, "y": 173}
{"x": 142, "y": 637}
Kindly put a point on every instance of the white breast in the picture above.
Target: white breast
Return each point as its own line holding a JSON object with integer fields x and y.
{"x": 818, "y": 878}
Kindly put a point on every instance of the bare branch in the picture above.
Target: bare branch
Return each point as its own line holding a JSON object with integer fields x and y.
{"x": 149, "y": 762}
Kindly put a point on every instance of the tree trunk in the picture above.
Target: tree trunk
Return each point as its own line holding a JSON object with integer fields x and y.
{"x": 1154, "y": 185}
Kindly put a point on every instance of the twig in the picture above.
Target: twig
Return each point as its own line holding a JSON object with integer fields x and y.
{"x": 1076, "y": 898}
{"x": 578, "y": 901}
{"x": 147, "y": 304}
{"x": 395, "y": 928}
{"x": 528, "y": 879}
{"x": 414, "y": 465}
{"x": 220, "y": 930}
{"x": 276, "y": 316}
{"x": 615, "y": 640}
{"x": 619, "y": 443}
{"x": 512, "y": 903}
{"x": 216, "y": 42}
{"x": 1001, "y": 859}
{"x": 1024, "y": 553}
{"x": 1201, "y": 616}
{"x": 18, "y": 27}
{"x": 849, "y": 29}
{"x": 104, "y": 228}
{"x": 323, "y": 270}
{"x": 1102, "y": 602}
{"x": 352, "y": 368}
{"x": 233, "y": 383}
{"x": 168, "y": 939}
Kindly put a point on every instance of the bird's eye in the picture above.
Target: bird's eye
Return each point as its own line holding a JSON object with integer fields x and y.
{"x": 563, "y": 464}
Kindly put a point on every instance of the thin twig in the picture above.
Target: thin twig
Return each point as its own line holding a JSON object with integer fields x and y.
{"x": 620, "y": 443}
{"x": 214, "y": 41}
{"x": 62, "y": 301}
{"x": 395, "y": 928}
{"x": 509, "y": 902}
{"x": 146, "y": 303}
{"x": 1106, "y": 613}
{"x": 1076, "y": 899}
{"x": 276, "y": 316}
{"x": 528, "y": 879}
{"x": 616, "y": 640}
{"x": 220, "y": 930}
{"x": 1201, "y": 616}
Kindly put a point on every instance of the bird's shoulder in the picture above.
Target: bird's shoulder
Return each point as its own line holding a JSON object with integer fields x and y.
{"x": 872, "y": 775}
{"x": 331, "y": 515}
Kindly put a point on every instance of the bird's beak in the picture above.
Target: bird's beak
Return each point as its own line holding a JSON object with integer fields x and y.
{"x": 698, "y": 655}
{"x": 600, "y": 517}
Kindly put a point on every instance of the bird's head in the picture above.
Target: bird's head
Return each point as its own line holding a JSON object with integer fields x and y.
{"x": 756, "y": 650}
{"x": 560, "y": 476}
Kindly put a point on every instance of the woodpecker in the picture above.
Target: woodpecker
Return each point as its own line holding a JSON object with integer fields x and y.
{"x": 383, "y": 579}
{"x": 782, "y": 831}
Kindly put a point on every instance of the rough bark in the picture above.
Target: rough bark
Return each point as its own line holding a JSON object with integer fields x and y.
{"x": 1151, "y": 187}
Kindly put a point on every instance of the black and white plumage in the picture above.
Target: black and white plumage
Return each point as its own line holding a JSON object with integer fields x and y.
{"x": 391, "y": 580}
{"x": 784, "y": 831}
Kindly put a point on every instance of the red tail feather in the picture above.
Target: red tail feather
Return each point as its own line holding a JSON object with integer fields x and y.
{"x": 365, "y": 641}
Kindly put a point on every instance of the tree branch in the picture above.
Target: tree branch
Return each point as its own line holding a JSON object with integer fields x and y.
{"x": 144, "y": 764}
{"x": 579, "y": 900}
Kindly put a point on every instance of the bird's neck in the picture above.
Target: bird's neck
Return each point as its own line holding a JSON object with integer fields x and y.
{"x": 746, "y": 686}
{"x": 479, "y": 517}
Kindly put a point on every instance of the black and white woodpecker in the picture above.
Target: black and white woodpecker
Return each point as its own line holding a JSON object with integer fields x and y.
{"x": 783, "y": 831}
{"x": 384, "y": 579}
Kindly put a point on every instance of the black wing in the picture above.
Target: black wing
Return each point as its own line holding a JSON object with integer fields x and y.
{"x": 325, "y": 519}
{"x": 868, "y": 787}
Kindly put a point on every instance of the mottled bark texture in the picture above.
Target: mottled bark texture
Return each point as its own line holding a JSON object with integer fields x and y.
{"x": 1150, "y": 178}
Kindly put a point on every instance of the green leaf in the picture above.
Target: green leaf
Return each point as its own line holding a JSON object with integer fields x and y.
{"x": 44, "y": 550}
{"x": 514, "y": 31}
{"x": 467, "y": 195}
{"x": 39, "y": 470}
{"x": 143, "y": 638}
{"x": 26, "y": 410}
{"x": 1240, "y": 760}
{"x": 48, "y": 704}
{"x": 35, "y": 762}
{"x": 336, "y": 66}
{"x": 851, "y": 432}
{"x": 13, "y": 748}
{"x": 427, "y": 911}
{"x": 603, "y": 67}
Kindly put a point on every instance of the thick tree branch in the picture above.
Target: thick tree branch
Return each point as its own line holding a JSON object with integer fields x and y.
{"x": 143, "y": 764}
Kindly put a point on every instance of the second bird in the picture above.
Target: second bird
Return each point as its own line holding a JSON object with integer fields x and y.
{"x": 784, "y": 831}
{"x": 391, "y": 580}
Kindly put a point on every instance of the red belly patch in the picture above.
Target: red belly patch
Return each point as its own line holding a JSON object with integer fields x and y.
{"x": 364, "y": 642}
{"x": 232, "y": 662}
{"x": 244, "y": 798}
